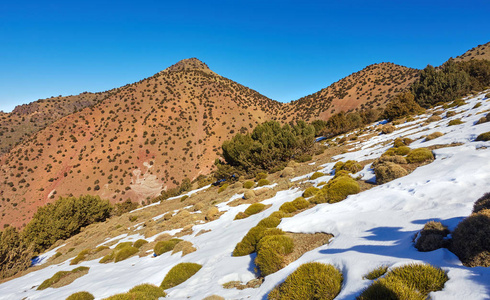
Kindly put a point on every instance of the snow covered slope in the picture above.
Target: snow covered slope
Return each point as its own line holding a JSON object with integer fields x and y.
{"x": 373, "y": 228}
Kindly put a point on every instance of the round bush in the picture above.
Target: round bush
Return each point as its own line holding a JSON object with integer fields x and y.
{"x": 81, "y": 296}
{"x": 484, "y": 137}
{"x": 125, "y": 253}
{"x": 455, "y": 122}
{"x": 471, "y": 240}
{"x": 412, "y": 282}
{"x": 431, "y": 237}
{"x": 403, "y": 150}
{"x": 165, "y": 246}
{"x": 263, "y": 182}
{"x": 288, "y": 207}
{"x": 433, "y": 135}
{"x": 316, "y": 175}
{"x": 223, "y": 188}
{"x": 269, "y": 222}
{"x": 310, "y": 191}
{"x": 248, "y": 184}
{"x": 149, "y": 290}
{"x": 399, "y": 142}
{"x": 397, "y": 159}
{"x": 300, "y": 203}
{"x": 388, "y": 171}
{"x": 179, "y": 274}
{"x": 241, "y": 215}
{"x": 249, "y": 242}
{"x": 139, "y": 243}
{"x": 339, "y": 188}
{"x": 482, "y": 203}
{"x": 278, "y": 214}
{"x": 420, "y": 155}
{"x": 270, "y": 253}
{"x": 320, "y": 197}
{"x": 310, "y": 281}
{"x": 352, "y": 166}
{"x": 254, "y": 209}
{"x": 260, "y": 176}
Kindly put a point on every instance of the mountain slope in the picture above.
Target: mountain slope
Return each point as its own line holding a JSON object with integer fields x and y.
{"x": 145, "y": 137}
{"x": 373, "y": 228}
{"x": 27, "y": 119}
{"x": 478, "y": 52}
{"x": 369, "y": 88}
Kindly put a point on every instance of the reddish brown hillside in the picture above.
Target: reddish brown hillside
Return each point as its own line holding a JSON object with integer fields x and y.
{"x": 146, "y": 137}
{"x": 478, "y": 52}
{"x": 369, "y": 88}
{"x": 28, "y": 119}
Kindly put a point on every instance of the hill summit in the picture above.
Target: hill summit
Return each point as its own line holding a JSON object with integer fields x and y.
{"x": 188, "y": 64}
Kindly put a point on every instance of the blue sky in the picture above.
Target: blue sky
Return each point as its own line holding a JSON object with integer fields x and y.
{"x": 283, "y": 49}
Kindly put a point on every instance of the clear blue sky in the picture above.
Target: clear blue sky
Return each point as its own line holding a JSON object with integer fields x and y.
{"x": 283, "y": 49}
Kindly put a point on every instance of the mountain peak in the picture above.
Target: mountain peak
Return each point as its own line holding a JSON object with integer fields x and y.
{"x": 187, "y": 65}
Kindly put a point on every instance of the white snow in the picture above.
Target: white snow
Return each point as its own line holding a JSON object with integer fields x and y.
{"x": 373, "y": 228}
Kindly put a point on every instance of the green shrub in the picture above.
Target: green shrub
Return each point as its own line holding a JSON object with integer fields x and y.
{"x": 81, "y": 256}
{"x": 482, "y": 203}
{"x": 399, "y": 142}
{"x": 248, "y": 184}
{"x": 402, "y": 150}
{"x": 270, "y": 253}
{"x": 179, "y": 274}
{"x": 149, "y": 290}
{"x": 433, "y": 135}
{"x": 260, "y": 175}
{"x": 425, "y": 278}
{"x": 100, "y": 248}
{"x": 165, "y": 246}
{"x": 337, "y": 189}
{"x": 431, "y": 237}
{"x": 352, "y": 166}
{"x": 139, "y": 243}
{"x": 241, "y": 215}
{"x": 320, "y": 197}
{"x": 413, "y": 281}
{"x": 471, "y": 239}
{"x": 123, "y": 245}
{"x": 269, "y": 222}
{"x": 484, "y": 119}
{"x": 263, "y": 182}
{"x": 397, "y": 159}
{"x": 108, "y": 258}
{"x": 390, "y": 288}
{"x": 420, "y": 155}
{"x": 223, "y": 187}
{"x": 376, "y": 273}
{"x": 477, "y": 105}
{"x": 310, "y": 191}
{"x": 338, "y": 166}
{"x": 58, "y": 276}
{"x": 63, "y": 219}
{"x": 249, "y": 242}
{"x": 388, "y": 171}
{"x": 81, "y": 296}
{"x": 125, "y": 253}
{"x": 288, "y": 207}
{"x": 278, "y": 214}
{"x": 15, "y": 252}
{"x": 316, "y": 175}
{"x": 484, "y": 137}
{"x": 450, "y": 114}
{"x": 310, "y": 281}
{"x": 300, "y": 203}
{"x": 254, "y": 209}
{"x": 455, "y": 122}
{"x": 402, "y": 105}
{"x": 303, "y": 157}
